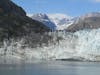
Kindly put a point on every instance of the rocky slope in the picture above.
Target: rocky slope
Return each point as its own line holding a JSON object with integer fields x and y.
{"x": 15, "y": 23}
{"x": 87, "y": 21}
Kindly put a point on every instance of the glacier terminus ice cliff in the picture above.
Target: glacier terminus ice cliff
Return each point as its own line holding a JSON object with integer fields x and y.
{"x": 83, "y": 45}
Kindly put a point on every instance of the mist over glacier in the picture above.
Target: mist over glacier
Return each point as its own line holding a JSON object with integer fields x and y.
{"x": 82, "y": 45}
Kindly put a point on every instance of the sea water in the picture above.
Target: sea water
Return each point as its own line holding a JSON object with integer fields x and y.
{"x": 51, "y": 68}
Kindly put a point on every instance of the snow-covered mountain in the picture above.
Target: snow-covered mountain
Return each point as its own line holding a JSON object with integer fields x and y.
{"x": 54, "y": 21}
{"x": 44, "y": 19}
{"x": 62, "y": 21}
{"x": 86, "y": 21}
{"x": 88, "y": 15}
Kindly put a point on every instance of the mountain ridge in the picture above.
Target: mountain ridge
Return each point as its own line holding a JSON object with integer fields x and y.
{"x": 87, "y": 21}
{"x": 59, "y": 21}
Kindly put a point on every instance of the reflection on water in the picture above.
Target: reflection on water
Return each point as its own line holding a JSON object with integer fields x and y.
{"x": 52, "y": 68}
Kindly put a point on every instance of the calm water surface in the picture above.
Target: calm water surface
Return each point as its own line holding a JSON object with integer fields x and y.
{"x": 52, "y": 68}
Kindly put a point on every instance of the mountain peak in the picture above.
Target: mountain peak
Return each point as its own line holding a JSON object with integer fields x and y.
{"x": 44, "y": 19}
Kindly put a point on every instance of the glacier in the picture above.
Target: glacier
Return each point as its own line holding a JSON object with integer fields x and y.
{"x": 82, "y": 45}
